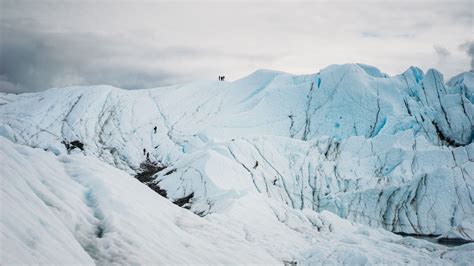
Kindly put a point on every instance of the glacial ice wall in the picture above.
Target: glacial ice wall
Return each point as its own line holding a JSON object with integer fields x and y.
{"x": 394, "y": 152}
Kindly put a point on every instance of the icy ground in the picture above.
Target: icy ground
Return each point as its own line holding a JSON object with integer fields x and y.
{"x": 76, "y": 209}
{"x": 266, "y": 163}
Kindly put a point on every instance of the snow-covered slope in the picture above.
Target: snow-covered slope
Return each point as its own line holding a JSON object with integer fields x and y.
{"x": 74, "y": 209}
{"x": 392, "y": 152}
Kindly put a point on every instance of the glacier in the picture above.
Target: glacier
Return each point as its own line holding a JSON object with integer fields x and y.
{"x": 78, "y": 210}
{"x": 310, "y": 168}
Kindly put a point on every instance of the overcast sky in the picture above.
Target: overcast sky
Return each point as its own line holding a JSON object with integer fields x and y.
{"x": 136, "y": 44}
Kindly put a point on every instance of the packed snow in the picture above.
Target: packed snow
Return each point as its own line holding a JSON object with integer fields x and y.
{"x": 273, "y": 168}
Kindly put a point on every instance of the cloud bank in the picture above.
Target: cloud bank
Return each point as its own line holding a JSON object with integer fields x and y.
{"x": 137, "y": 45}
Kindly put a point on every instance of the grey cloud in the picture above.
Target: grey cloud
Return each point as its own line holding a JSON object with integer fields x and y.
{"x": 33, "y": 60}
{"x": 8, "y": 87}
{"x": 442, "y": 52}
{"x": 38, "y": 62}
{"x": 142, "y": 44}
{"x": 468, "y": 47}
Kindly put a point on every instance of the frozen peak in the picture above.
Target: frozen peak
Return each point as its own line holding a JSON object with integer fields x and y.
{"x": 463, "y": 77}
{"x": 433, "y": 71}
{"x": 464, "y": 82}
{"x": 264, "y": 71}
{"x": 414, "y": 72}
{"x": 372, "y": 71}
{"x": 355, "y": 68}
{"x": 435, "y": 75}
{"x": 263, "y": 74}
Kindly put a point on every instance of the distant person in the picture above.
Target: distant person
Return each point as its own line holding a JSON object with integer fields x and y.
{"x": 155, "y": 128}
{"x": 144, "y": 151}
{"x": 256, "y": 165}
{"x": 223, "y": 77}
{"x": 148, "y": 156}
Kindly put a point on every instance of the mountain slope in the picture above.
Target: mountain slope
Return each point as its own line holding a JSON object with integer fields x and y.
{"x": 392, "y": 152}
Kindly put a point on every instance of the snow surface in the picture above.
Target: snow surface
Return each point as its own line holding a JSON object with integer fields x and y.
{"x": 262, "y": 155}
{"x": 76, "y": 209}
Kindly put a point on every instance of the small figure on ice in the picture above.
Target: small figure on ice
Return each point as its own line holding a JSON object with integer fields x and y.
{"x": 256, "y": 165}
{"x": 155, "y": 128}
